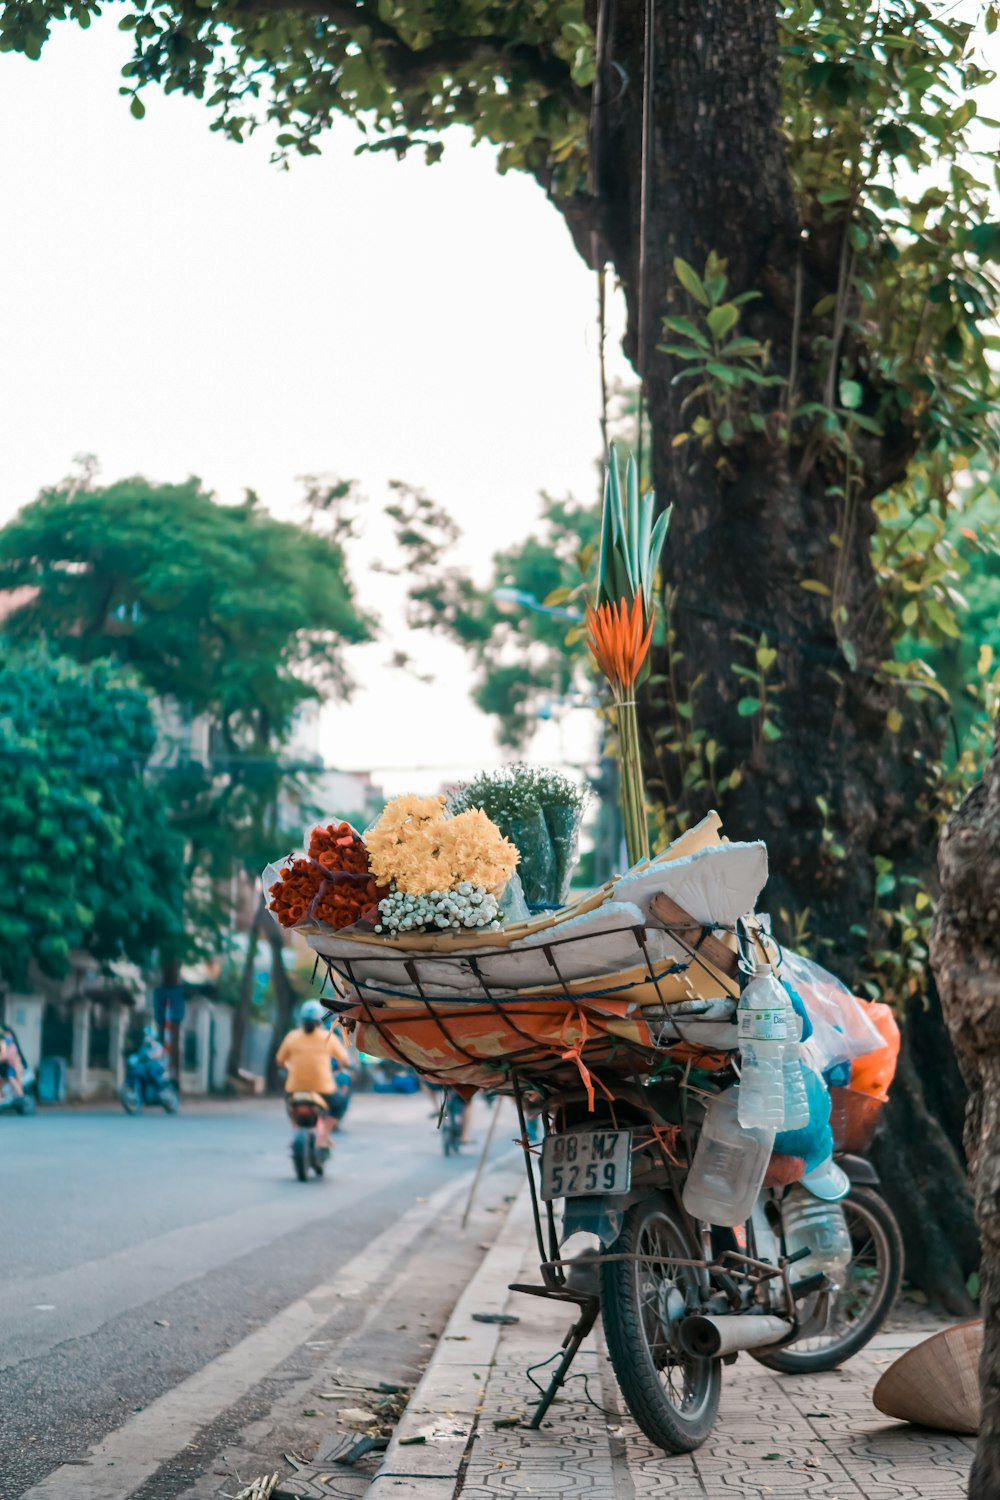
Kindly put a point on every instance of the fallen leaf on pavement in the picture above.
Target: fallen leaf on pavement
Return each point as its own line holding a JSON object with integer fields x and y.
{"x": 356, "y": 1414}
{"x": 162, "y": 1322}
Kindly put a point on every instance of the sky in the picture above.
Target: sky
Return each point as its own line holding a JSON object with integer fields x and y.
{"x": 176, "y": 305}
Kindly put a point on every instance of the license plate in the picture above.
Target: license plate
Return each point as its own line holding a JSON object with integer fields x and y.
{"x": 586, "y": 1162}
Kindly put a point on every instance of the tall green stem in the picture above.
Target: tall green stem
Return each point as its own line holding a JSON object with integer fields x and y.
{"x": 633, "y": 797}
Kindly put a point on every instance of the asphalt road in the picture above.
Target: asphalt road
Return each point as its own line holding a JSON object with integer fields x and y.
{"x": 135, "y": 1251}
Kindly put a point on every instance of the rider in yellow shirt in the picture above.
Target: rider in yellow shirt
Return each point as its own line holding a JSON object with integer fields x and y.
{"x": 306, "y": 1054}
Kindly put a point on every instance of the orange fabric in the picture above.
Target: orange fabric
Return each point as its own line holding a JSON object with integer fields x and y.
{"x": 873, "y": 1073}
{"x": 784, "y": 1170}
{"x": 470, "y": 1047}
{"x": 307, "y": 1056}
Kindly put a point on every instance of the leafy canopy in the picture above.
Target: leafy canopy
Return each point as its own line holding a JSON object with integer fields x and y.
{"x": 220, "y": 607}
{"x": 91, "y": 861}
{"x": 518, "y": 74}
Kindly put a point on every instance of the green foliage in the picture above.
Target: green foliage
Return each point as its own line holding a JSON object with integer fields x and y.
{"x": 90, "y": 859}
{"x": 727, "y": 366}
{"x": 517, "y": 75}
{"x": 525, "y": 661}
{"x": 222, "y": 612}
{"x": 219, "y": 607}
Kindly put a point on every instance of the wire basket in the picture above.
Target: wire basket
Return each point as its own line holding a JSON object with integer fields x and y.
{"x": 629, "y": 1000}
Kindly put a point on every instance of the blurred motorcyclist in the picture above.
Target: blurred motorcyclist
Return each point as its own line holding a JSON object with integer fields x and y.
{"x": 307, "y": 1055}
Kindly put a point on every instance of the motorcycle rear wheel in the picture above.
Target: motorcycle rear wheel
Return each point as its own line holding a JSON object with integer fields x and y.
{"x": 169, "y": 1098}
{"x": 674, "y": 1397}
{"x": 300, "y": 1155}
{"x": 861, "y": 1307}
{"x": 131, "y": 1099}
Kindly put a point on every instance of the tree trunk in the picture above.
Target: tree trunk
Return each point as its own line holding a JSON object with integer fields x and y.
{"x": 965, "y": 951}
{"x": 828, "y": 786}
{"x": 241, "y": 1014}
{"x": 284, "y": 998}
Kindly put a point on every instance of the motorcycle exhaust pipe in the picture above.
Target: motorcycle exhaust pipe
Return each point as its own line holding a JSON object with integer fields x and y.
{"x": 708, "y": 1337}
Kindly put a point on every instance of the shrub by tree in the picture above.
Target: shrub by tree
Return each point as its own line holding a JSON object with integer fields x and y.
{"x": 91, "y": 860}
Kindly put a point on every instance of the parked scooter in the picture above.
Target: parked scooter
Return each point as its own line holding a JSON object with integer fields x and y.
{"x": 18, "y": 1084}
{"x": 147, "y": 1080}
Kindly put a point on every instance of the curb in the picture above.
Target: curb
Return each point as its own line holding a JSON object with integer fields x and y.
{"x": 429, "y": 1447}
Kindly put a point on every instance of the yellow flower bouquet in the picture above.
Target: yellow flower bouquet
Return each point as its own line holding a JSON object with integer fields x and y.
{"x": 441, "y": 871}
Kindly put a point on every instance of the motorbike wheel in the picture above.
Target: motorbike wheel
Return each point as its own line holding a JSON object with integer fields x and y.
{"x": 27, "y": 1104}
{"x": 673, "y": 1396}
{"x": 169, "y": 1098}
{"x": 862, "y": 1305}
{"x": 300, "y": 1155}
{"x": 131, "y": 1099}
{"x": 451, "y": 1125}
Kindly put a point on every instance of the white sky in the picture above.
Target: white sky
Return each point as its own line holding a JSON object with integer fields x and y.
{"x": 176, "y": 305}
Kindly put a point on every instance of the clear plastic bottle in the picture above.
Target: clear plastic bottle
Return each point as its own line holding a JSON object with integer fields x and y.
{"x": 807, "y": 1221}
{"x": 794, "y": 1083}
{"x": 763, "y": 1025}
{"x": 729, "y": 1165}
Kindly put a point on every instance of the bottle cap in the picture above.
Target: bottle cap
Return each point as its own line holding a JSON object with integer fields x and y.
{"x": 762, "y": 969}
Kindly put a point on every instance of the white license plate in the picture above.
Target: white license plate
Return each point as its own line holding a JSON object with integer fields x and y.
{"x": 585, "y": 1162}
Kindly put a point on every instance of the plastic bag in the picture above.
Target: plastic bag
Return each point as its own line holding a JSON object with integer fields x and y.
{"x": 512, "y": 903}
{"x": 842, "y": 1027}
{"x": 537, "y": 868}
{"x": 873, "y": 1073}
{"x": 563, "y": 824}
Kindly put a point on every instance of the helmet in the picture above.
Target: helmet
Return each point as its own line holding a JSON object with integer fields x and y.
{"x": 312, "y": 1011}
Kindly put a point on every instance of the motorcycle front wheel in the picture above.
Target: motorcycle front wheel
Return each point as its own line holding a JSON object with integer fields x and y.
{"x": 862, "y": 1304}
{"x": 131, "y": 1099}
{"x": 169, "y": 1098}
{"x": 673, "y": 1396}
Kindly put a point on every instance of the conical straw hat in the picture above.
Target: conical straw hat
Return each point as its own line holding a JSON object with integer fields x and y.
{"x": 936, "y": 1383}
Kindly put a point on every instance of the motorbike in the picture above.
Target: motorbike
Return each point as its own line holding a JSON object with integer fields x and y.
{"x": 679, "y": 1297}
{"x": 18, "y": 1083}
{"x": 304, "y": 1111}
{"x": 452, "y": 1122}
{"x": 148, "y": 1083}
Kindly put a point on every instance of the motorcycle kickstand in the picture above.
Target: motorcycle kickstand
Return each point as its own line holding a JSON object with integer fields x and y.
{"x": 571, "y": 1347}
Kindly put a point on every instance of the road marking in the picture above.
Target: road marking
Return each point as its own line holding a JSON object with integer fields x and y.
{"x": 128, "y": 1456}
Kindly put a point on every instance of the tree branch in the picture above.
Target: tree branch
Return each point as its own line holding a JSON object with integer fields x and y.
{"x": 412, "y": 66}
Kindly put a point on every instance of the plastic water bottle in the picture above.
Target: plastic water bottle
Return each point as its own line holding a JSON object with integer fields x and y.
{"x": 729, "y": 1165}
{"x": 822, "y": 1227}
{"x": 763, "y": 1028}
{"x": 794, "y": 1083}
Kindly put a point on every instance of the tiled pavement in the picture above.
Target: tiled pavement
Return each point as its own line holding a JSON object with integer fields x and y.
{"x": 777, "y": 1435}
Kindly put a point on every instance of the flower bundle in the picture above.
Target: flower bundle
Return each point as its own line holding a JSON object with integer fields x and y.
{"x": 417, "y": 848}
{"x": 294, "y": 892}
{"x": 441, "y": 871}
{"x": 333, "y": 885}
{"x": 620, "y": 625}
{"x": 538, "y": 810}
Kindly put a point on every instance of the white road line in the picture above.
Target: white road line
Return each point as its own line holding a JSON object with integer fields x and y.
{"x": 127, "y": 1457}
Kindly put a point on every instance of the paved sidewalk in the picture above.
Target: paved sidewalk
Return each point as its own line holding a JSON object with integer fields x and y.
{"x": 777, "y": 1435}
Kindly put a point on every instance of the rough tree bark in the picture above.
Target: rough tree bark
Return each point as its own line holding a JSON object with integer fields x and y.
{"x": 965, "y": 951}
{"x": 241, "y": 1012}
{"x": 284, "y": 996}
{"x": 746, "y": 533}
